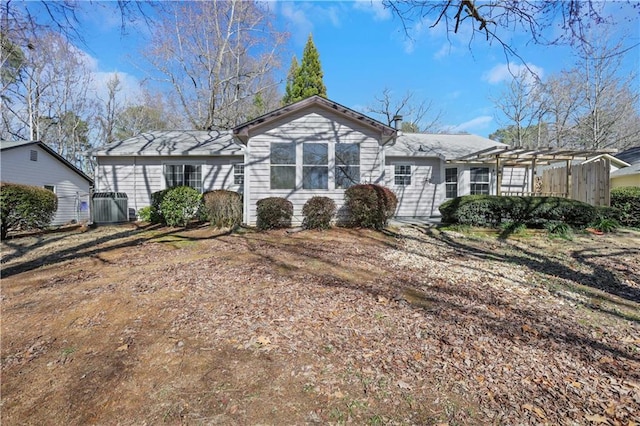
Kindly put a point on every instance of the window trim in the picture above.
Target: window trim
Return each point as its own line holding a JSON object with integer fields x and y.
{"x": 237, "y": 175}
{"x": 324, "y": 166}
{"x": 346, "y": 166}
{"x": 404, "y": 176}
{"x": 182, "y": 163}
{"x": 448, "y": 183}
{"x": 472, "y": 191}
{"x": 293, "y": 165}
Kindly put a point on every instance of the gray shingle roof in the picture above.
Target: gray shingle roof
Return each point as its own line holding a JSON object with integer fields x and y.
{"x": 631, "y": 170}
{"x": 448, "y": 147}
{"x": 631, "y": 155}
{"x": 174, "y": 142}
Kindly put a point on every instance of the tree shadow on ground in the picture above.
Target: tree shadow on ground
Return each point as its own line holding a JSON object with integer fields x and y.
{"x": 127, "y": 237}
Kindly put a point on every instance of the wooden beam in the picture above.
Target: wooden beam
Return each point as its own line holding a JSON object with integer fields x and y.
{"x": 498, "y": 176}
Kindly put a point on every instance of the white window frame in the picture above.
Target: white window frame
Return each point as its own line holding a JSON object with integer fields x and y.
{"x": 183, "y": 164}
{"x": 307, "y": 166}
{"x": 294, "y": 165}
{"x": 404, "y": 175}
{"x": 237, "y": 175}
{"x": 472, "y": 190}
{"x": 447, "y": 183}
{"x": 348, "y": 166}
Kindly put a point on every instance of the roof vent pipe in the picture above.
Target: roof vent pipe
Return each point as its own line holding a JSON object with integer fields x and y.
{"x": 397, "y": 120}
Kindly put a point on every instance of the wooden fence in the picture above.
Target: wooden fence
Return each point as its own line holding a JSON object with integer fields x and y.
{"x": 584, "y": 182}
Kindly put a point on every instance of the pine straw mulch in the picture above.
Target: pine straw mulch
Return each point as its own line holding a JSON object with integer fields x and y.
{"x": 413, "y": 326}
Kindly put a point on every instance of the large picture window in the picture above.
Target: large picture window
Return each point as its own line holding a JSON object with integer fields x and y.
{"x": 347, "y": 165}
{"x": 315, "y": 166}
{"x": 402, "y": 174}
{"x": 283, "y": 165}
{"x": 479, "y": 181}
{"x": 451, "y": 182}
{"x": 183, "y": 175}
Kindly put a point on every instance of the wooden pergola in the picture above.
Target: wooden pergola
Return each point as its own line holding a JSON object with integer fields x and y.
{"x": 532, "y": 158}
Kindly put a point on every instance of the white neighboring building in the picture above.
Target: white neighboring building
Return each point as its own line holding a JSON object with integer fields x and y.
{"x": 34, "y": 163}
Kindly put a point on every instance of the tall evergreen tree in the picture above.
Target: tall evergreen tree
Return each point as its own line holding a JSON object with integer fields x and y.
{"x": 307, "y": 78}
{"x": 291, "y": 77}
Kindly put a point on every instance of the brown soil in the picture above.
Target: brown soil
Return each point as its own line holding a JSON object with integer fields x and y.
{"x": 143, "y": 325}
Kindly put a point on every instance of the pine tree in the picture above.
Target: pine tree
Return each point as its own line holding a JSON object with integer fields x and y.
{"x": 307, "y": 78}
{"x": 293, "y": 72}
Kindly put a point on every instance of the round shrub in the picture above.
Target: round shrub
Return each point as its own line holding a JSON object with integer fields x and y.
{"x": 155, "y": 214}
{"x": 627, "y": 200}
{"x": 145, "y": 213}
{"x": 222, "y": 208}
{"x": 370, "y": 205}
{"x": 179, "y": 205}
{"x": 318, "y": 212}
{"x": 274, "y": 212}
{"x": 24, "y": 207}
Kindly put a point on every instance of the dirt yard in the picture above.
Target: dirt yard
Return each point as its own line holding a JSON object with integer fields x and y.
{"x": 140, "y": 325}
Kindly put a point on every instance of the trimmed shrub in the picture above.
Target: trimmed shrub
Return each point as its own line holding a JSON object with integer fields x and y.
{"x": 24, "y": 207}
{"x": 274, "y": 212}
{"x": 318, "y": 212}
{"x": 222, "y": 208}
{"x": 627, "y": 200}
{"x": 144, "y": 214}
{"x": 534, "y": 212}
{"x": 179, "y": 205}
{"x": 155, "y": 215}
{"x": 370, "y": 205}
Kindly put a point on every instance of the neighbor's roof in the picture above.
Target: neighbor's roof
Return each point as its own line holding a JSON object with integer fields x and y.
{"x": 633, "y": 169}
{"x": 7, "y": 145}
{"x": 447, "y": 147}
{"x": 631, "y": 155}
{"x": 173, "y": 142}
{"x": 242, "y": 131}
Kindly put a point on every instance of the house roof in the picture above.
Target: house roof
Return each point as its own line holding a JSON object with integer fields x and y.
{"x": 446, "y": 147}
{"x": 625, "y": 171}
{"x": 174, "y": 142}
{"x": 631, "y": 155}
{"x": 242, "y": 131}
{"x": 7, "y": 145}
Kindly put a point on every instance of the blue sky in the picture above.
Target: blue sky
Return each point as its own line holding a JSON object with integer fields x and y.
{"x": 364, "y": 49}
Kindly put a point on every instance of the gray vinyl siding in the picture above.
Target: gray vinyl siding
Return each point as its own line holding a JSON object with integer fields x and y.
{"x": 139, "y": 177}
{"x": 71, "y": 189}
{"x": 310, "y": 125}
{"x": 425, "y": 193}
{"x": 515, "y": 180}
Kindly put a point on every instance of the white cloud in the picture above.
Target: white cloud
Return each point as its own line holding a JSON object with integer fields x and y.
{"x": 302, "y": 16}
{"x": 375, "y": 7}
{"x": 130, "y": 90}
{"x": 473, "y": 126}
{"x": 506, "y": 72}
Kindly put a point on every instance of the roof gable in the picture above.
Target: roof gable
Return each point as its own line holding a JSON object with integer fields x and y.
{"x": 7, "y": 145}
{"x": 245, "y": 130}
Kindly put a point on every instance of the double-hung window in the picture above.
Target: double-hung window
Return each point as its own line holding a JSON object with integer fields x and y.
{"x": 283, "y": 165}
{"x": 479, "y": 181}
{"x": 315, "y": 166}
{"x": 451, "y": 182}
{"x": 347, "y": 171}
{"x": 402, "y": 174}
{"x": 183, "y": 175}
{"x": 238, "y": 174}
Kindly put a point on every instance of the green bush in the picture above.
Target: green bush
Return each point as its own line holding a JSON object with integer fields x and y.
{"x": 145, "y": 213}
{"x": 179, "y": 205}
{"x": 223, "y": 209}
{"x": 627, "y": 200}
{"x": 318, "y": 212}
{"x": 274, "y": 212}
{"x": 155, "y": 215}
{"x": 533, "y": 212}
{"x": 24, "y": 207}
{"x": 370, "y": 205}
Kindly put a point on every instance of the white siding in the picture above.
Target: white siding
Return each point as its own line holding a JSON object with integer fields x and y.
{"x": 515, "y": 180}
{"x": 72, "y": 190}
{"x": 309, "y": 125}
{"x": 426, "y": 192}
{"x": 139, "y": 177}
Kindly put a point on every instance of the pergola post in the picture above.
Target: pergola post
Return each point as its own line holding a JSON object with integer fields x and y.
{"x": 498, "y": 177}
{"x": 568, "y": 185}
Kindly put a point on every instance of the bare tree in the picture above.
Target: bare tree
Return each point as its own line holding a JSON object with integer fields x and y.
{"x": 546, "y": 21}
{"x": 418, "y": 115}
{"x": 562, "y": 100}
{"x": 216, "y": 56}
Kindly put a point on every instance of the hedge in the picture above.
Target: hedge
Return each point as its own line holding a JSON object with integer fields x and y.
{"x": 24, "y": 207}
{"x": 534, "y": 212}
{"x": 318, "y": 212}
{"x": 274, "y": 212}
{"x": 370, "y": 205}
{"x": 222, "y": 208}
{"x": 627, "y": 200}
